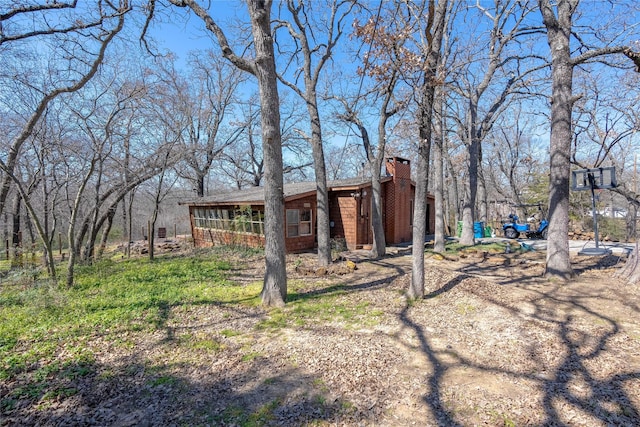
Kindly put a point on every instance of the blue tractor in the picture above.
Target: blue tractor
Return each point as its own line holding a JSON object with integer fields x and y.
{"x": 512, "y": 229}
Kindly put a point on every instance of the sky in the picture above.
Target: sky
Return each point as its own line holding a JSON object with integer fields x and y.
{"x": 181, "y": 33}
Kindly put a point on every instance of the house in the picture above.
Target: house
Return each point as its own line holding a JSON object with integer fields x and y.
{"x": 237, "y": 217}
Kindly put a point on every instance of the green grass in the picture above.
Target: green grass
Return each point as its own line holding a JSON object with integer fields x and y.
{"x": 261, "y": 416}
{"x": 309, "y": 308}
{"x": 48, "y": 332}
{"x": 39, "y": 320}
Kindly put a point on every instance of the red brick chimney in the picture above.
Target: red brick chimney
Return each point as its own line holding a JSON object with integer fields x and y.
{"x": 399, "y": 202}
{"x": 398, "y": 168}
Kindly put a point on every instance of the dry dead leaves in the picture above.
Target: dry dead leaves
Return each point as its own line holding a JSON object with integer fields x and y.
{"x": 492, "y": 344}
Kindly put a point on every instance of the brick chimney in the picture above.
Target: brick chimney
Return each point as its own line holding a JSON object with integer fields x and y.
{"x": 399, "y": 201}
{"x": 398, "y": 168}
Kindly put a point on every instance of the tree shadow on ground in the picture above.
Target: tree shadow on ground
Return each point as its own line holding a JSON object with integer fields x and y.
{"x": 434, "y": 380}
{"x": 577, "y": 381}
{"x": 130, "y": 391}
{"x": 354, "y": 284}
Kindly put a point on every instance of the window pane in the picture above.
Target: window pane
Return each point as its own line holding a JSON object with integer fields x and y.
{"x": 292, "y": 231}
{"x": 305, "y": 228}
{"x": 292, "y": 216}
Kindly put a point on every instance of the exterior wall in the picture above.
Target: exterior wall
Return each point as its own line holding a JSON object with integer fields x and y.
{"x": 399, "y": 194}
{"x": 302, "y": 243}
{"x": 350, "y": 216}
{"x": 343, "y": 211}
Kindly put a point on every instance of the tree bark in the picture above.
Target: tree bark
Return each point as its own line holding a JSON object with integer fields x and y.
{"x": 16, "y": 232}
{"x": 558, "y": 37}
{"x": 434, "y": 34}
{"x": 274, "y": 291}
{"x": 309, "y": 95}
{"x": 471, "y": 191}
{"x": 73, "y": 246}
{"x": 438, "y": 174}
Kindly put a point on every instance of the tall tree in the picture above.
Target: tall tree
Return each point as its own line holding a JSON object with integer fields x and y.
{"x": 388, "y": 106}
{"x": 485, "y": 91}
{"x": 242, "y": 164}
{"x": 263, "y": 67}
{"x": 433, "y": 33}
{"x": 558, "y": 19}
{"x": 310, "y": 56}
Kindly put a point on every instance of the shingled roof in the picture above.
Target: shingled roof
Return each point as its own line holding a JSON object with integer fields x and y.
{"x": 255, "y": 195}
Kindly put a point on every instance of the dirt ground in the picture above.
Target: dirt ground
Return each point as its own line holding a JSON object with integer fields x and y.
{"x": 493, "y": 343}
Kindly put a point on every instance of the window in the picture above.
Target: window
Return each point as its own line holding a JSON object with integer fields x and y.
{"x": 236, "y": 219}
{"x": 299, "y": 222}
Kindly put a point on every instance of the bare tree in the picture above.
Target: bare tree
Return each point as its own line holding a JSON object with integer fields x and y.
{"x": 387, "y": 106}
{"x": 430, "y": 51}
{"x": 274, "y": 290}
{"x": 200, "y": 108}
{"x": 558, "y": 19}
{"x": 513, "y": 161}
{"x": 99, "y": 28}
{"x": 165, "y": 181}
{"x": 242, "y": 163}
{"x": 485, "y": 92}
{"x": 310, "y": 56}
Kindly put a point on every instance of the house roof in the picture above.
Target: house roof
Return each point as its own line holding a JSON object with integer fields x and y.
{"x": 255, "y": 195}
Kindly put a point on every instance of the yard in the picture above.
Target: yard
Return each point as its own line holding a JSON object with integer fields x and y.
{"x": 184, "y": 341}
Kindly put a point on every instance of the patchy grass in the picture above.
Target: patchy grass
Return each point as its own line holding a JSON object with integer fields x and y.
{"x": 44, "y": 327}
{"x": 453, "y": 247}
{"x": 309, "y": 308}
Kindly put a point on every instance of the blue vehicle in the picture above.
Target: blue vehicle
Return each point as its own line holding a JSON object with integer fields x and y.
{"x": 513, "y": 229}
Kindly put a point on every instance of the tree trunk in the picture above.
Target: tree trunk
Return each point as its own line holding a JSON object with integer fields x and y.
{"x": 379, "y": 247}
{"x": 631, "y": 222}
{"x": 73, "y": 244}
{"x": 200, "y": 185}
{"x": 482, "y": 189}
{"x": 322, "y": 193}
{"x": 438, "y": 175}
{"x": 274, "y": 291}
{"x": 416, "y": 286}
{"x": 471, "y": 191}
{"x": 452, "y": 191}
{"x": 425, "y": 117}
{"x": 130, "y": 222}
{"x": 16, "y": 232}
{"x": 558, "y": 35}
{"x": 106, "y": 229}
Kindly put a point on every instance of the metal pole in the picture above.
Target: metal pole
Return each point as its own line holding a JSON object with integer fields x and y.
{"x": 593, "y": 208}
